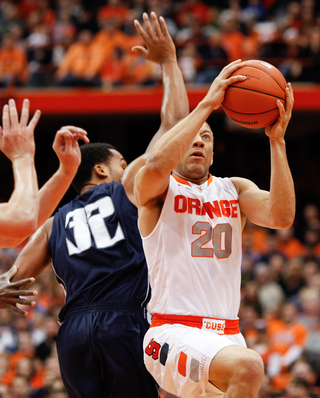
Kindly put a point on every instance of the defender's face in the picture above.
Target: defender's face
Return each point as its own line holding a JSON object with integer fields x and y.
{"x": 116, "y": 166}
{"x": 197, "y": 160}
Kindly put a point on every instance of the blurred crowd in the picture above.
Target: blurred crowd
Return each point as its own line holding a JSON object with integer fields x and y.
{"x": 279, "y": 316}
{"x": 72, "y": 43}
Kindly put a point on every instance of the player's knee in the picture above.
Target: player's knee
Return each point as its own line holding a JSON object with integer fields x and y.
{"x": 250, "y": 370}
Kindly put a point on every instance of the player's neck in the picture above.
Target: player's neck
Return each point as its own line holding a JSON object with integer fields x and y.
{"x": 198, "y": 181}
{"x": 87, "y": 187}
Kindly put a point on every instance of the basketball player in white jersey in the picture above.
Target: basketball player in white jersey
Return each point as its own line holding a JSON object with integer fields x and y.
{"x": 191, "y": 224}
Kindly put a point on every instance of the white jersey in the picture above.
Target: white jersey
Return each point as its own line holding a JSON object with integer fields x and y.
{"x": 194, "y": 252}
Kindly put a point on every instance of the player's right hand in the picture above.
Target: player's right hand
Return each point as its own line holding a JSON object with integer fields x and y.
{"x": 160, "y": 46}
{"x": 17, "y": 137}
{"x": 67, "y": 148}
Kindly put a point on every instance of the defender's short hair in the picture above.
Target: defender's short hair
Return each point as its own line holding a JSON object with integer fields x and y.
{"x": 91, "y": 155}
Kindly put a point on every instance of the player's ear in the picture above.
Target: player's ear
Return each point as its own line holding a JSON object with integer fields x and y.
{"x": 212, "y": 159}
{"x": 101, "y": 170}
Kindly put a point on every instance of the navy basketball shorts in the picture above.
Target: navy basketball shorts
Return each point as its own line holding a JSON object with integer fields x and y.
{"x": 101, "y": 356}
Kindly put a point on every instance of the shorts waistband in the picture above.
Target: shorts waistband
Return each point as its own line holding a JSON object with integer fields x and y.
{"x": 215, "y": 325}
{"x": 85, "y": 309}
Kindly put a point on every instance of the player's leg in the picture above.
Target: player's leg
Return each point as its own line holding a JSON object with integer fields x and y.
{"x": 119, "y": 335}
{"x": 238, "y": 371}
{"x": 179, "y": 358}
{"x": 165, "y": 394}
{"x": 79, "y": 364}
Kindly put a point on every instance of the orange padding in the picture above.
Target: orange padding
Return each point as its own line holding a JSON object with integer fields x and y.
{"x": 231, "y": 325}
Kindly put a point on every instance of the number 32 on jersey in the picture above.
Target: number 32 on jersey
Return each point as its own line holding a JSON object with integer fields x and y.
{"x": 88, "y": 223}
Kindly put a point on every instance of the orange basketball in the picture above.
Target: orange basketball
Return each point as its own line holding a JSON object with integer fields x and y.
{"x": 252, "y": 103}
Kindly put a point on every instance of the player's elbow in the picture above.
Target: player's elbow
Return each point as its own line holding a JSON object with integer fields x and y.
{"x": 27, "y": 223}
{"x": 285, "y": 220}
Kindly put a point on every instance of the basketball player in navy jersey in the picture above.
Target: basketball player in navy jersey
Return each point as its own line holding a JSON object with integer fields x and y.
{"x": 28, "y": 208}
{"x": 96, "y": 252}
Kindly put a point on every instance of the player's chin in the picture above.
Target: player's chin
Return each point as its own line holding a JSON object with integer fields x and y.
{"x": 198, "y": 171}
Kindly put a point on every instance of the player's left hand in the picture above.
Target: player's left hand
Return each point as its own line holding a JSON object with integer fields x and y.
{"x": 278, "y": 129}
{"x": 67, "y": 148}
{"x": 160, "y": 46}
{"x": 10, "y": 292}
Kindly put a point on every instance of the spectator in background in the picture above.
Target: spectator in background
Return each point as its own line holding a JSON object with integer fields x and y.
{"x": 292, "y": 279}
{"x": 80, "y": 65}
{"x": 309, "y": 316}
{"x": 313, "y": 70}
{"x": 288, "y": 244}
{"x": 39, "y": 53}
{"x": 46, "y": 347}
{"x": 232, "y": 38}
{"x": 212, "y": 60}
{"x": 118, "y": 64}
{"x": 195, "y": 8}
{"x": 63, "y": 33}
{"x": 266, "y": 390}
{"x": 113, "y": 9}
{"x": 270, "y": 293}
{"x": 13, "y": 63}
{"x": 20, "y": 388}
{"x": 188, "y": 61}
{"x": 287, "y": 338}
{"x": 310, "y": 271}
{"x": 297, "y": 388}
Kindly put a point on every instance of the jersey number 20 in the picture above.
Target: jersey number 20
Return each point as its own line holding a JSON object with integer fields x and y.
{"x": 220, "y": 235}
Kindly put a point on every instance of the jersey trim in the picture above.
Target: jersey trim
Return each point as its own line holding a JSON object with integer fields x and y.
{"x": 185, "y": 182}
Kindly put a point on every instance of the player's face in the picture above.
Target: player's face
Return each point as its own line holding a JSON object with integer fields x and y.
{"x": 117, "y": 166}
{"x": 197, "y": 160}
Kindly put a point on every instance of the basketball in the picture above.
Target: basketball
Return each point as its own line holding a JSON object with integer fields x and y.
{"x": 252, "y": 103}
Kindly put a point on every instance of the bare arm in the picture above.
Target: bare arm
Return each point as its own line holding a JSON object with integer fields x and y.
{"x": 67, "y": 149}
{"x": 35, "y": 256}
{"x": 175, "y": 105}
{"x": 276, "y": 208}
{"x": 152, "y": 180}
{"x": 18, "y": 217}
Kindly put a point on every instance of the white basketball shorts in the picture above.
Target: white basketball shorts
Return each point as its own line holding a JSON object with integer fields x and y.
{"x": 179, "y": 356}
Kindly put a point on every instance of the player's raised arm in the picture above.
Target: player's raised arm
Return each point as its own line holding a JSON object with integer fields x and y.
{"x": 18, "y": 217}
{"x": 67, "y": 148}
{"x": 160, "y": 49}
{"x": 274, "y": 208}
{"x": 152, "y": 180}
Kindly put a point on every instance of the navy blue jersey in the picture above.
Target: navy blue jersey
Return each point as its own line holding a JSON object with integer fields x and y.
{"x": 97, "y": 252}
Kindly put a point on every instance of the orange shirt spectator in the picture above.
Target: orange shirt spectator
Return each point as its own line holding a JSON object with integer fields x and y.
{"x": 287, "y": 338}
{"x": 232, "y": 42}
{"x": 288, "y": 244}
{"x": 139, "y": 71}
{"x": 81, "y": 59}
{"x": 196, "y": 8}
{"x": 110, "y": 37}
{"x": 114, "y": 9}
{"x": 13, "y": 63}
{"x": 232, "y": 39}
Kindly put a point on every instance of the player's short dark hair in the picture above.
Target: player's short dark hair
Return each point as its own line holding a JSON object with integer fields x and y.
{"x": 91, "y": 155}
